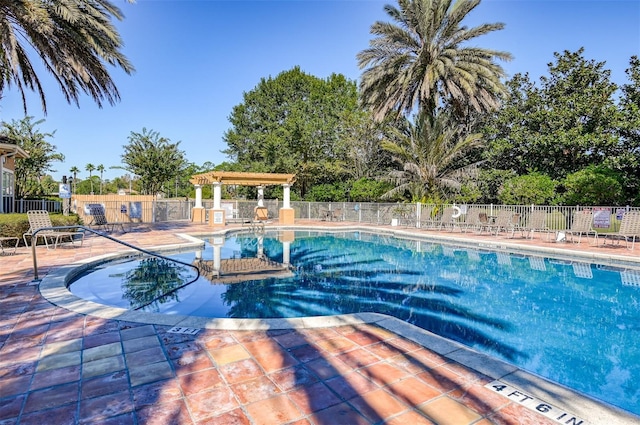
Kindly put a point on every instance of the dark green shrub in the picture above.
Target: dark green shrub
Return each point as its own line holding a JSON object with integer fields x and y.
{"x": 533, "y": 188}
{"x": 594, "y": 185}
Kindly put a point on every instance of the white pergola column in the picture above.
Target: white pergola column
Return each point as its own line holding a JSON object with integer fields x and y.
{"x": 198, "y": 196}
{"x": 286, "y": 195}
{"x": 198, "y": 213}
{"x": 216, "y": 215}
{"x": 261, "y": 196}
{"x": 287, "y": 214}
{"x": 217, "y": 195}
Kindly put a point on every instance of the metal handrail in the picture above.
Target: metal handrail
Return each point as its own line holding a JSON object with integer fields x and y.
{"x": 136, "y": 248}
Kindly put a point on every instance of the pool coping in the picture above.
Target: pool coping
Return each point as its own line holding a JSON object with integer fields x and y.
{"x": 531, "y": 388}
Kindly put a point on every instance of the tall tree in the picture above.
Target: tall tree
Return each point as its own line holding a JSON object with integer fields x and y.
{"x": 154, "y": 158}
{"x": 75, "y": 39}
{"x": 75, "y": 170}
{"x": 425, "y": 60}
{"x": 566, "y": 124}
{"x": 628, "y": 162}
{"x": 432, "y": 158}
{"x": 90, "y": 168}
{"x": 294, "y": 123}
{"x": 100, "y": 168}
{"x": 30, "y": 171}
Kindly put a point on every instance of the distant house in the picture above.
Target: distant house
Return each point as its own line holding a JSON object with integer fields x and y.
{"x": 9, "y": 152}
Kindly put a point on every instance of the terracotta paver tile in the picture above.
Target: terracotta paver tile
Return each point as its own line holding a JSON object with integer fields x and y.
{"x": 53, "y": 377}
{"x": 351, "y": 385}
{"x": 213, "y": 402}
{"x": 276, "y": 360}
{"x": 261, "y": 346}
{"x": 446, "y": 411}
{"x": 103, "y": 366}
{"x": 97, "y": 409}
{"x": 384, "y": 350}
{"x": 218, "y": 341}
{"x": 200, "y": 381}
{"x": 242, "y": 370}
{"x": 164, "y": 413}
{"x": 360, "y": 337}
{"x": 384, "y": 373}
{"x": 291, "y": 339}
{"x": 192, "y": 362}
{"x": 156, "y": 392}
{"x": 428, "y": 358}
{"x": 326, "y": 369}
{"x": 479, "y": 398}
{"x": 152, "y": 372}
{"x": 62, "y": 347}
{"x": 254, "y": 390}
{"x": 138, "y": 331}
{"x": 292, "y": 377}
{"x": 234, "y": 417}
{"x": 138, "y": 344}
{"x": 336, "y": 345}
{"x": 11, "y": 408}
{"x": 314, "y": 397}
{"x": 176, "y": 351}
{"x": 305, "y": 353}
{"x": 319, "y": 334}
{"x": 410, "y": 418}
{"x": 441, "y": 379}
{"x": 413, "y": 391}
{"x": 378, "y": 405}
{"x": 101, "y": 351}
{"x": 358, "y": 358}
{"x": 230, "y": 354}
{"x": 340, "y": 414}
{"x": 275, "y": 410}
{"x": 55, "y": 361}
{"x": 17, "y": 370}
{"x": 64, "y": 415}
{"x": 107, "y": 384}
{"x": 149, "y": 355}
{"x": 17, "y": 385}
{"x": 52, "y": 397}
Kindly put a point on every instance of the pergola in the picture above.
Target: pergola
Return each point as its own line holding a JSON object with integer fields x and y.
{"x": 259, "y": 180}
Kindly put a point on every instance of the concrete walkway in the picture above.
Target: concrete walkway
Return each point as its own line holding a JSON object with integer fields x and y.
{"x": 60, "y": 365}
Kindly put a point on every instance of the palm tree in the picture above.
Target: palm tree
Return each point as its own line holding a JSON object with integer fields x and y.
{"x": 432, "y": 154}
{"x": 421, "y": 62}
{"x": 75, "y": 40}
{"x": 90, "y": 167}
{"x": 101, "y": 169}
{"x": 75, "y": 170}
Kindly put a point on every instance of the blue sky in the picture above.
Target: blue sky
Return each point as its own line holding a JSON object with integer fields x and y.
{"x": 195, "y": 59}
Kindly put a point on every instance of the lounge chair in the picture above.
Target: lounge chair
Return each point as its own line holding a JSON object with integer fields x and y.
{"x": 537, "y": 222}
{"x": 505, "y": 220}
{"x": 99, "y": 218}
{"x": 629, "y": 229}
{"x": 39, "y": 219}
{"x": 582, "y": 224}
{"x": 12, "y": 243}
{"x": 426, "y": 219}
{"x": 447, "y": 220}
{"x": 471, "y": 219}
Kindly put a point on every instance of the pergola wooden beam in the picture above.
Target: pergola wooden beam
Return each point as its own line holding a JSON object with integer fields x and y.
{"x": 242, "y": 179}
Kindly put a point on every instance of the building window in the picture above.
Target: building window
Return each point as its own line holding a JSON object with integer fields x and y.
{"x": 7, "y": 183}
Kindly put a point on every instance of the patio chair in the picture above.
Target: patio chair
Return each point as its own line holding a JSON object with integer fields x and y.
{"x": 537, "y": 222}
{"x": 629, "y": 229}
{"x": 39, "y": 219}
{"x": 582, "y": 224}
{"x": 507, "y": 221}
{"x": 471, "y": 219}
{"x": 426, "y": 219}
{"x": 99, "y": 218}
{"x": 445, "y": 220}
{"x": 12, "y": 243}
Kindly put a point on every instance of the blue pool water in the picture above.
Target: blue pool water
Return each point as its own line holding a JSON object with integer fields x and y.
{"x": 572, "y": 322}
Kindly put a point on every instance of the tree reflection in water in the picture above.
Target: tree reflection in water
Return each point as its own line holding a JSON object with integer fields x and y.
{"x": 150, "y": 280}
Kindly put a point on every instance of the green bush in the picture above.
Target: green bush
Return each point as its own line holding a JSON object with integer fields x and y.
{"x": 533, "y": 188}
{"x": 16, "y": 225}
{"x": 368, "y": 190}
{"x": 594, "y": 185}
{"x": 327, "y": 193}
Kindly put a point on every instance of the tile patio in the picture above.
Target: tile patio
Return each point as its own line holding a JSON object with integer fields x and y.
{"x": 59, "y": 366}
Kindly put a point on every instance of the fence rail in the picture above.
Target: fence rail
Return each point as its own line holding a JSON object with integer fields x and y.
{"x": 147, "y": 209}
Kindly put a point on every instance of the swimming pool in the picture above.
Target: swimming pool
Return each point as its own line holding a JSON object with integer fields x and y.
{"x": 572, "y": 322}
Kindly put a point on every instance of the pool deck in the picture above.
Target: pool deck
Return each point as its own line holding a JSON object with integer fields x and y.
{"x": 63, "y": 362}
